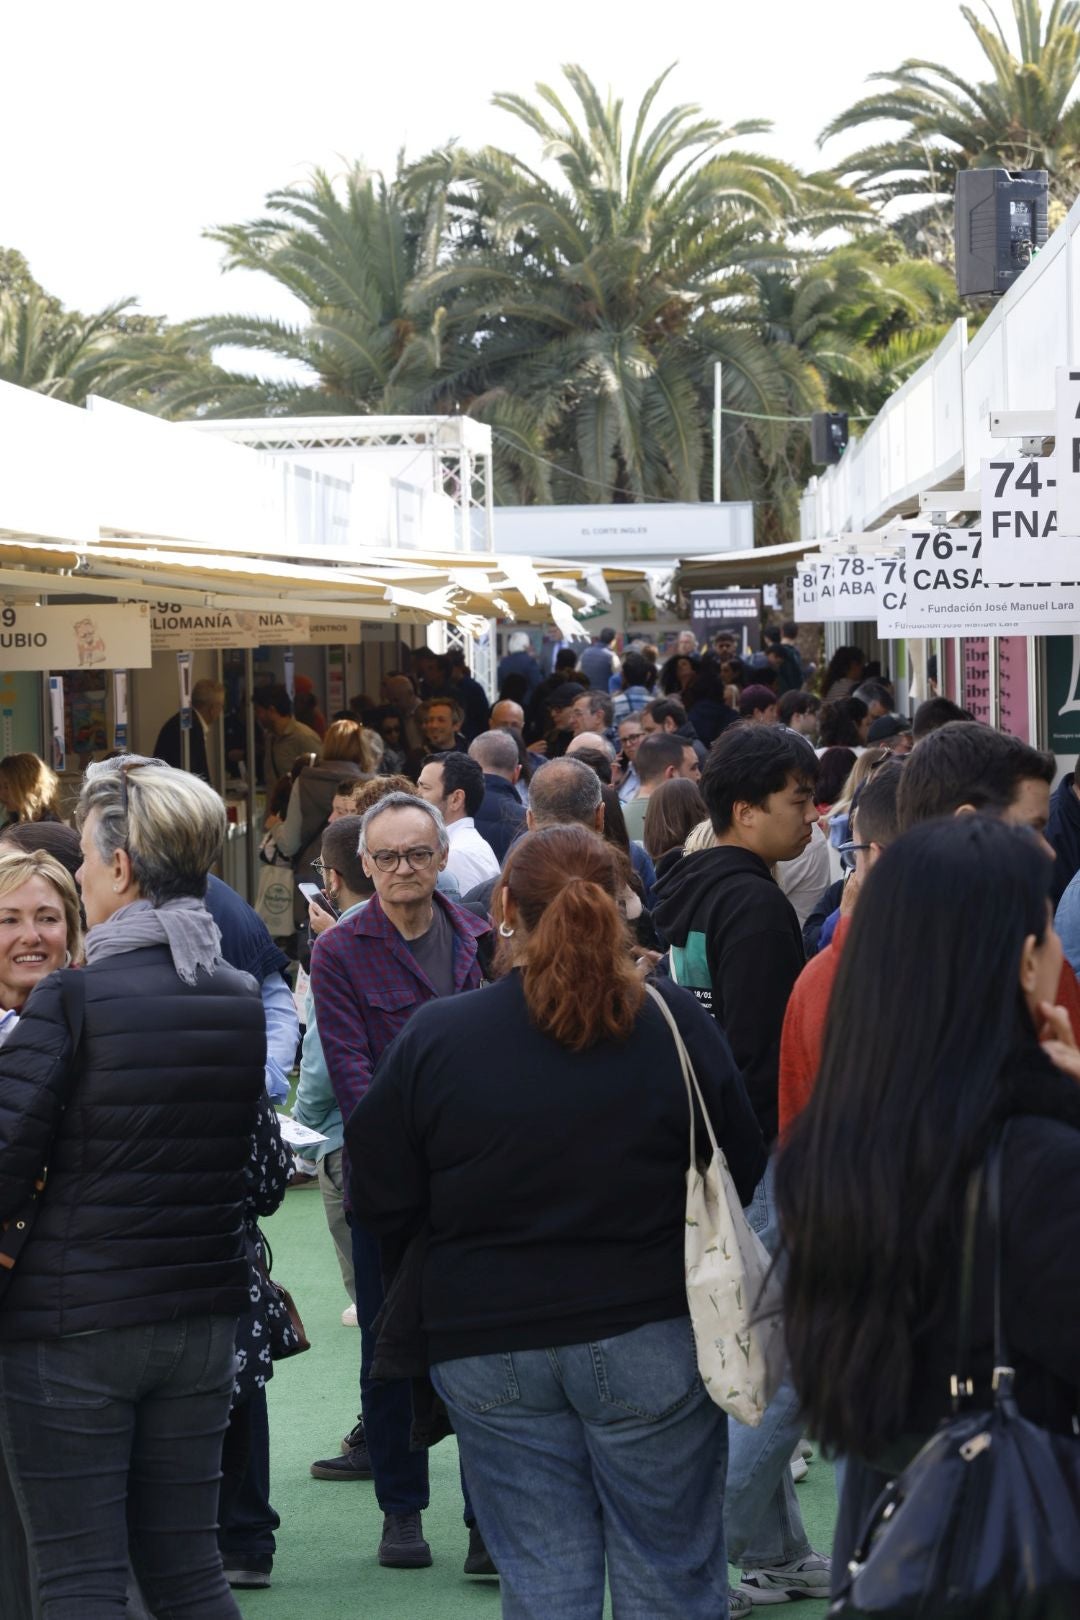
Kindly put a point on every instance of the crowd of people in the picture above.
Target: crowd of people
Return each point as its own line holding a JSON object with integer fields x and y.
{"x": 519, "y": 921}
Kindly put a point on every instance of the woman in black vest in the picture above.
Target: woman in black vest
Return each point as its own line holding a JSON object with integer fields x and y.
{"x": 138, "y": 1086}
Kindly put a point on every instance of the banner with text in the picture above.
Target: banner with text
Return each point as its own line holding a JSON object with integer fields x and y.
{"x": 81, "y": 636}
{"x": 846, "y": 588}
{"x": 804, "y": 591}
{"x": 191, "y": 629}
{"x": 938, "y": 587}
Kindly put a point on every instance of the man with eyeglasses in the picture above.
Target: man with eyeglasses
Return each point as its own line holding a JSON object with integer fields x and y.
{"x": 631, "y": 731}
{"x": 369, "y": 973}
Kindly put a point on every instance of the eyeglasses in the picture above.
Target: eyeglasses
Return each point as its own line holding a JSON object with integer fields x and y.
{"x": 847, "y": 853}
{"x": 320, "y": 867}
{"x": 388, "y": 860}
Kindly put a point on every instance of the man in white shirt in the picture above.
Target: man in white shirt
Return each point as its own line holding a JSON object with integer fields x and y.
{"x": 454, "y": 784}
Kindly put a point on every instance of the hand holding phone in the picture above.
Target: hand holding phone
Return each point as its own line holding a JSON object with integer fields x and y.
{"x": 315, "y": 897}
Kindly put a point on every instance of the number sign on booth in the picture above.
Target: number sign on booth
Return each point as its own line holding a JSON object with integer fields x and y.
{"x": 81, "y": 636}
{"x": 945, "y": 592}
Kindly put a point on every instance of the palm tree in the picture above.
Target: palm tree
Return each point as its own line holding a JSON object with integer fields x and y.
{"x": 55, "y": 351}
{"x": 601, "y": 294}
{"x": 1021, "y": 117}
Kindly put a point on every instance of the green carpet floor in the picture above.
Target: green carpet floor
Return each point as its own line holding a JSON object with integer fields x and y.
{"x": 325, "y": 1566}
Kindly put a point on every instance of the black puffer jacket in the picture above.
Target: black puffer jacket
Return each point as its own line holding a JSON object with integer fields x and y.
{"x": 142, "y": 1218}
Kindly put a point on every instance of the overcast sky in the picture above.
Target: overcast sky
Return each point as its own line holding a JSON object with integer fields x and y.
{"x": 126, "y": 128}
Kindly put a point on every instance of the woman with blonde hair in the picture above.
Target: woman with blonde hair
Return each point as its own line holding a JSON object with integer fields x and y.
{"x": 40, "y": 931}
{"x": 554, "y": 1291}
{"x": 29, "y": 790}
{"x": 138, "y": 1081}
{"x": 346, "y": 758}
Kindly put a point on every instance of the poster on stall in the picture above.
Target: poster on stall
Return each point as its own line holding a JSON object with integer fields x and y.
{"x": 191, "y": 629}
{"x": 736, "y": 611}
{"x": 975, "y": 653}
{"x": 1012, "y": 685}
{"x": 120, "y": 710}
{"x": 56, "y": 723}
{"x": 79, "y": 637}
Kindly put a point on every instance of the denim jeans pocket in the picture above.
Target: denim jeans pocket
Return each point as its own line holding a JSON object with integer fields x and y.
{"x": 478, "y": 1383}
{"x": 650, "y": 1372}
{"x": 78, "y": 1373}
{"x": 209, "y": 1360}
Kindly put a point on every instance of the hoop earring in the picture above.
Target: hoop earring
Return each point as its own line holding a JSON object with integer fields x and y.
{"x": 507, "y": 933}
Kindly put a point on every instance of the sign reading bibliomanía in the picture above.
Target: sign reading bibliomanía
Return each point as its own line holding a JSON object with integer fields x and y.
{"x": 79, "y": 637}
{"x": 192, "y": 629}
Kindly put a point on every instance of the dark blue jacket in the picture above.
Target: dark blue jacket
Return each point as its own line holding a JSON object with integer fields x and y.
{"x": 501, "y": 817}
{"x": 524, "y": 664}
{"x": 1063, "y": 831}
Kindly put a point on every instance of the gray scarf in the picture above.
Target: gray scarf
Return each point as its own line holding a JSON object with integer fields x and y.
{"x": 185, "y": 926}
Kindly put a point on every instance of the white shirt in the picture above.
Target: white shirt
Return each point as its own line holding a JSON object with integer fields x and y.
{"x": 805, "y": 879}
{"x": 472, "y": 859}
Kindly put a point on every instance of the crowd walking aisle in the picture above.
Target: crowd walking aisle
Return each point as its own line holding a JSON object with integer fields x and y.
{"x": 325, "y": 1567}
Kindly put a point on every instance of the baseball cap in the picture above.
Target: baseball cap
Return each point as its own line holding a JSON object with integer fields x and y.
{"x": 889, "y": 725}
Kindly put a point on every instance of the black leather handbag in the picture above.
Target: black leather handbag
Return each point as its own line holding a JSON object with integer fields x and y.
{"x": 984, "y": 1523}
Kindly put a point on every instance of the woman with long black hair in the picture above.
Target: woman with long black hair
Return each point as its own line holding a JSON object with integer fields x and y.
{"x": 941, "y": 1031}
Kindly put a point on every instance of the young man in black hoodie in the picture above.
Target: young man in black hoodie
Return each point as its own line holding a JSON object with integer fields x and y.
{"x": 736, "y": 943}
{"x": 735, "y": 940}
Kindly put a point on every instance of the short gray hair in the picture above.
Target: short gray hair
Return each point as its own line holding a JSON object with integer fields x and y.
{"x": 403, "y": 801}
{"x": 172, "y": 829}
{"x": 495, "y": 751}
{"x": 206, "y": 691}
{"x": 519, "y": 642}
{"x": 565, "y": 790}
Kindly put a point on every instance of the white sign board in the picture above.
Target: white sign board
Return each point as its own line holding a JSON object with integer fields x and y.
{"x": 192, "y": 629}
{"x": 805, "y": 590}
{"x": 1067, "y": 450}
{"x": 80, "y": 636}
{"x": 940, "y": 588}
{"x": 334, "y": 632}
{"x": 1020, "y": 521}
{"x": 846, "y": 588}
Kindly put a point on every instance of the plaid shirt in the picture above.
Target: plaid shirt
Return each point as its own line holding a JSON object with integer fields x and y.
{"x": 366, "y": 984}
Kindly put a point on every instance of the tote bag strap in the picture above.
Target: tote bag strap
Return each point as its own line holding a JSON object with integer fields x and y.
{"x": 693, "y": 1089}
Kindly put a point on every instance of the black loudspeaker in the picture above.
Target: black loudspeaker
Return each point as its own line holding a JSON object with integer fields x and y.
{"x": 1000, "y": 224}
{"x": 828, "y": 437}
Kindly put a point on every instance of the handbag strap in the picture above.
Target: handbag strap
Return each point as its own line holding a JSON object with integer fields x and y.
{"x": 985, "y": 1178}
{"x": 693, "y": 1089}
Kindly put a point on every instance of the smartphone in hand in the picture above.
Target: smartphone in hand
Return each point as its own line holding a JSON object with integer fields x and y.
{"x": 315, "y": 896}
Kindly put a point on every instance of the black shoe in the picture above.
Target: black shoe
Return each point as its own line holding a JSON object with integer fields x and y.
{"x": 478, "y": 1561}
{"x": 248, "y": 1571}
{"x": 403, "y": 1545}
{"x": 355, "y": 1437}
{"x": 355, "y": 1464}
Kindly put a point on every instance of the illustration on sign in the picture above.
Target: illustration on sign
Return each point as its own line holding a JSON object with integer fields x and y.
{"x": 89, "y": 644}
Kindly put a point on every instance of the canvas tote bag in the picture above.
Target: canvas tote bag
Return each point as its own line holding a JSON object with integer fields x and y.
{"x": 732, "y": 1292}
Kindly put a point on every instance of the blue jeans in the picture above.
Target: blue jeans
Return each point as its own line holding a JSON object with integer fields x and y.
{"x": 762, "y": 1516}
{"x": 400, "y": 1475}
{"x": 599, "y": 1452}
{"x": 113, "y": 1443}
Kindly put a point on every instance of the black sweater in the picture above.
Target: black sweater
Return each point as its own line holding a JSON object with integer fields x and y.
{"x": 738, "y": 947}
{"x": 142, "y": 1218}
{"x": 553, "y": 1182}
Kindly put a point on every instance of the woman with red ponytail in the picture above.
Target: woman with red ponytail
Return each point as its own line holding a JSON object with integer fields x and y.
{"x": 538, "y": 1130}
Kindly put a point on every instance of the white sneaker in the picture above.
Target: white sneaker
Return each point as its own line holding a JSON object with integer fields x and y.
{"x": 805, "y": 1449}
{"x": 738, "y": 1604}
{"x": 799, "y": 1466}
{"x": 804, "y": 1578}
{"x": 348, "y": 1316}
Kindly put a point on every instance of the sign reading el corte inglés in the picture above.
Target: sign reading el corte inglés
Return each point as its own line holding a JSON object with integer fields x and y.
{"x": 81, "y": 636}
{"x": 191, "y": 629}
